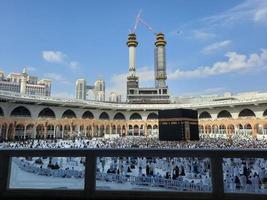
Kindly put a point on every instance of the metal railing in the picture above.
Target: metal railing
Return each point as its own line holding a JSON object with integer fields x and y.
{"x": 90, "y": 191}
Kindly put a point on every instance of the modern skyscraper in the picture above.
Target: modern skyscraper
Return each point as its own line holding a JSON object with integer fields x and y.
{"x": 98, "y": 89}
{"x": 81, "y": 89}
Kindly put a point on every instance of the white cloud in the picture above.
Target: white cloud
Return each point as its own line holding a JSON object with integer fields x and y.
{"x": 54, "y": 56}
{"x": 60, "y": 58}
{"x": 261, "y": 15}
{"x": 255, "y": 10}
{"x": 57, "y": 77}
{"x": 202, "y": 35}
{"x": 236, "y": 62}
{"x": 216, "y": 46}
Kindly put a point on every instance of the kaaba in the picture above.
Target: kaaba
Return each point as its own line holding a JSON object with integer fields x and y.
{"x": 178, "y": 124}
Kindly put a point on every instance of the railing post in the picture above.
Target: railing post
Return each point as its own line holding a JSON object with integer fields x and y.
{"x": 90, "y": 174}
{"x": 217, "y": 178}
{"x": 4, "y": 173}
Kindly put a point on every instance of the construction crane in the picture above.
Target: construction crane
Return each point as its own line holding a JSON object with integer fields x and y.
{"x": 138, "y": 20}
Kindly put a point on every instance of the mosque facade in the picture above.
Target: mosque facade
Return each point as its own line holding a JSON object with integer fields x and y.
{"x": 25, "y": 116}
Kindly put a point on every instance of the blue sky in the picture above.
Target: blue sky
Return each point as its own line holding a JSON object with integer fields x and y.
{"x": 213, "y": 46}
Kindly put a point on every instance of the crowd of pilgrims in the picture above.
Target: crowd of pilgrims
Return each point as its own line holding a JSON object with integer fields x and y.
{"x": 140, "y": 142}
{"x": 239, "y": 174}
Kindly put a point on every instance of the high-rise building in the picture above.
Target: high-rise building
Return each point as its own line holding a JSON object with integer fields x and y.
{"x": 100, "y": 96}
{"x": 114, "y": 97}
{"x": 25, "y": 84}
{"x": 81, "y": 89}
{"x": 98, "y": 89}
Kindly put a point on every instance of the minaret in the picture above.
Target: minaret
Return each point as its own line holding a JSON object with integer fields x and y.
{"x": 132, "y": 79}
{"x": 23, "y": 82}
{"x": 160, "y": 61}
{"x": 132, "y": 44}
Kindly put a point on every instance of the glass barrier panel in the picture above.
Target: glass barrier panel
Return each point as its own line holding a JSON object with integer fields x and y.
{"x": 245, "y": 175}
{"x": 153, "y": 174}
{"x": 47, "y": 173}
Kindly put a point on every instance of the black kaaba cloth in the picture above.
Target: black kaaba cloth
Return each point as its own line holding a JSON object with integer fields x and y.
{"x": 178, "y": 124}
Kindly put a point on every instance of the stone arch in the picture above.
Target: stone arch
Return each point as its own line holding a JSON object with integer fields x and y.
{"x": 130, "y": 129}
{"x": 240, "y": 126}
{"x": 29, "y": 131}
{"x": 119, "y": 116}
{"x": 107, "y": 129}
{"x": 204, "y": 115}
{"x": 67, "y": 130}
{"x": 50, "y": 131}
{"x": 265, "y": 129}
{"x": 113, "y": 129}
{"x": 215, "y": 129}
{"x": 47, "y": 113}
{"x": 149, "y": 129}
{"x": 104, "y": 116}
{"x": 152, "y": 116}
{"x": 201, "y": 128}
{"x": 59, "y": 131}
{"x": 3, "y": 134}
{"x": 222, "y": 129}
{"x": 69, "y": 114}
{"x": 208, "y": 129}
{"x": 119, "y": 130}
{"x": 224, "y": 114}
{"x": 81, "y": 130}
{"x": 135, "y": 116}
{"x": 123, "y": 130}
{"x": 10, "y": 130}
{"x": 19, "y": 131}
{"x": 88, "y": 115}
{"x": 230, "y": 128}
{"x": 247, "y": 126}
{"x": 89, "y": 131}
{"x": 246, "y": 113}
{"x": 102, "y": 131}
{"x": 74, "y": 130}
{"x": 136, "y": 130}
{"x": 258, "y": 128}
{"x": 248, "y": 129}
{"x": 95, "y": 130}
{"x": 40, "y": 131}
{"x": 239, "y": 129}
{"x": 20, "y": 111}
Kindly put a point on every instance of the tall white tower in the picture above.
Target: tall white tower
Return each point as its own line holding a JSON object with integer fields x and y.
{"x": 99, "y": 90}
{"x": 23, "y": 82}
{"x": 160, "y": 61}
{"x": 132, "y": 44}
{"x": 132, "y": 79}
{"x": 81, "y": 89}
